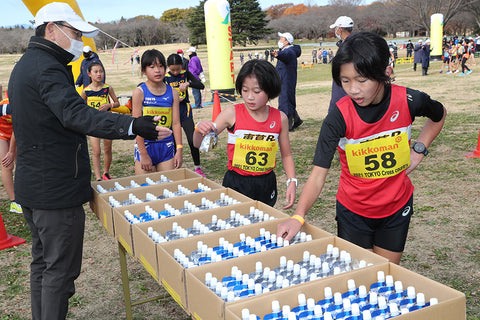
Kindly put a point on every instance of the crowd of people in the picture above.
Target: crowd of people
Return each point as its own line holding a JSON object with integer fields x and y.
{"x": 367, "y": 112}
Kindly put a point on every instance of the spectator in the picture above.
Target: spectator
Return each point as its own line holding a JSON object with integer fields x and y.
{"x": 196, "y": 69}
{"x": 52, "y": 179}
{"x": 267, "y": 54}
{"x": 314, "y": 56}
{"x": 184, "y": 60}
{"x": 425, "y": 57}
{"x": 287, "y": 68}
{"x": 325, "y": 56}
{"x": 88, "y": 57}
{"x": 242, "y": 58}
{"x": 417, "y": 54}
{"x": 409, "y": 47}
{"x": 343, "y": 28}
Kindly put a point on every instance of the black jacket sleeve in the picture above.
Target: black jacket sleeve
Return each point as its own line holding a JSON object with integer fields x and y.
{"x": 194, "y": 82}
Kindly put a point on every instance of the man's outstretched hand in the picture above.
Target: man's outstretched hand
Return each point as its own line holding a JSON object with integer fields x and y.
{"x": 147, "y": 128}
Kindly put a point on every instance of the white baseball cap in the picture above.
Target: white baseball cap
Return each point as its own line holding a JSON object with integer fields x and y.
{"x": 343, "y": 22}
{"x": 87, "y": 49}
{"x": 192, "y": 49}
{"x": 286, "y": 35}
{"x": 59, "y": 11}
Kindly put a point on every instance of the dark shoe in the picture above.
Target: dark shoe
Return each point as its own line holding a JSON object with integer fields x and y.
{"x": 297, "y": 124}
{"x": 290, "y": 123}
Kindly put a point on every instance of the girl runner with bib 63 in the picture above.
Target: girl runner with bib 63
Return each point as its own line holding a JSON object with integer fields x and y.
{"x": 371, "y": 129}
{"x": 255, "y": 132}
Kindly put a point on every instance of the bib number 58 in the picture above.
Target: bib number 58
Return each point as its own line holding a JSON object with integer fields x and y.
{"x": 388, "y": 161}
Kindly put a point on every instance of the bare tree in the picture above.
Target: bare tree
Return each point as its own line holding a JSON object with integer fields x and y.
{"x": 422, "y": 10}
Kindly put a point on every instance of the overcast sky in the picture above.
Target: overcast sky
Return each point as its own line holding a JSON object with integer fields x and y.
{"x": 14, "y": 12}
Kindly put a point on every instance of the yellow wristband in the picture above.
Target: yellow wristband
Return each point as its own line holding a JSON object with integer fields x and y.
{"x": 298, "y": 218}
{"x": 179, "y": 146}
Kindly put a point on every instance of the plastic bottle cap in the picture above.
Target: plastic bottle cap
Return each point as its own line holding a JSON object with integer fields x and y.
{"x": 351, "y": 285}
{"x": 328, "y": 292}
{"x": 420, "y": 299}
{"x": 337, "y": 298}
{"x": 302, "y": 300}
{"x": 389, "y": 281}
{"x": 380, "y": 276}
{"x": 245, "y": 314}
{"x": 398, "y": 286}
{"x": 275, "y": 306}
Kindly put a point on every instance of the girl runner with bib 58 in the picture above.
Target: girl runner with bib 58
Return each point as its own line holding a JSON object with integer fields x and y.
{"x": 371, "y": 129}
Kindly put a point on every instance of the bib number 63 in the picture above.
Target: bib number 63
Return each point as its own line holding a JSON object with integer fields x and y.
{"x": 251, "y": 158}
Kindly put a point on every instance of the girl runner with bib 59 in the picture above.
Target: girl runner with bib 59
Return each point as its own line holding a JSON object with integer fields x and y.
{"x": 371, "y": 129}
{"x": 255, "y": 132}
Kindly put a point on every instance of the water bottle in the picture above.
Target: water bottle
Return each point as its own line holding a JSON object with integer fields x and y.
{"x": 393, "y": 310}
{"x": 372, "y": 304}
{"x": 398, "y": 295}
{"x": 337, "y": 305}
{"x": 388, "y": 288}
{"x": 382, "y": 310}
{"x": 409, "y": 300}
{"x": 432, "y": 302}
{"x": 302, "y": 304}
{"x": 374, "y": 287}
{"x": 346, "y": 310}
{"x": 327, "y": 301}
{"x": 351, "y": 292}
{"x": 317, "y": 313}
{"x": 366, "y": 315}
{"x": 276, "y": 311}
{"x": 306, "y": 314}
{"x": 355, "y": 314}
{"x": 419, "y": 303}
{"x": 362, "y": 298}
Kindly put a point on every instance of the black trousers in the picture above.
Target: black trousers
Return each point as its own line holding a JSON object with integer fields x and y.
{"x": 57, "y": 246}
{"x": 188, "y": 127}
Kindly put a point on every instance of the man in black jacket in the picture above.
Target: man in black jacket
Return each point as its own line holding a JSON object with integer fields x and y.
{"x": 52, "y": 178}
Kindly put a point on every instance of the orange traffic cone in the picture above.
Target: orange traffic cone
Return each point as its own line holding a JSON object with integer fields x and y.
{"x": 6, "y": 240}
{"x": 216, "y": 106}
{"x": 476, "y": 152}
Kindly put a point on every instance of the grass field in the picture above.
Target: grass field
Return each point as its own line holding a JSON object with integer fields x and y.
{"x": 444, "y": 237}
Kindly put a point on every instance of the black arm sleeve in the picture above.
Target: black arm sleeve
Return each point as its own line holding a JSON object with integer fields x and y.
{"x": 333, "y": 128}
{"x": 421, "y": 105}
{"x": 194, "y": 82}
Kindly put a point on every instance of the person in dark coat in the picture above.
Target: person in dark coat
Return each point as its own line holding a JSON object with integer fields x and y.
{"x": 52, "y": 176}
{"x": 287, "y": 68}
{"x": 417, "y": 54}
{"x": 425, "y": 57}
{"x": 88, "y": 57}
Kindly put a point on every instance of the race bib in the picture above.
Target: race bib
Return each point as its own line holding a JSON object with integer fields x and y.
{"x": 379, "y": 158}
{"x": 165, "y": 114}
{"x": 254, "y": 155}
{"x": 96, "y": 102}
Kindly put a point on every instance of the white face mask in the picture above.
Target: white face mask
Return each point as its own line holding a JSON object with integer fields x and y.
{"x": 280, "y": 44}
{"x": 339, "y": 34}
{"x": 76, "y": 46}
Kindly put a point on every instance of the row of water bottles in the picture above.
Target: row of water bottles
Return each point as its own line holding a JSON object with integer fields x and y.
{"x": 225, "y": 250}
{"x": 151, "y": 214}
{"x": 354, "y": 304}
{"x": 117, "y": 186}
{"x": 236, "y": 220}
{"x": 240, "y": 285}
{"x": 133, "y": 199}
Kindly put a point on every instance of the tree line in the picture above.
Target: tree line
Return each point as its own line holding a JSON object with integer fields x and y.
{"x": 250, "y": 24}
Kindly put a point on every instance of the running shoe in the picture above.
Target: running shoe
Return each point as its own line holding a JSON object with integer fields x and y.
{"x": 461, "y": 74}
{"x": 15, "y": 207}
{"x": 469, "y": 71}
{"x": 449, "y": 72}
{"x": 199, "y": 171}
{"x": 106, "y": 176}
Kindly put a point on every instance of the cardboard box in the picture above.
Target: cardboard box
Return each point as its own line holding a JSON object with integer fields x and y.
{"x": 104, "y": 210}
{"x": 173, "y": 175}
{"x": 123, "y": 228}
{"x": 172, "y": 275}
{"x": 214, "y": 307}
{"x": 452, "y": 303}
{"x": 144, "y": 248}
